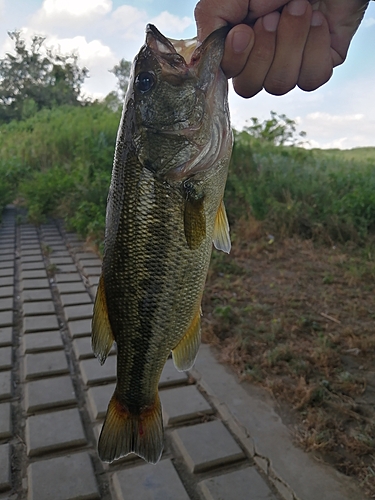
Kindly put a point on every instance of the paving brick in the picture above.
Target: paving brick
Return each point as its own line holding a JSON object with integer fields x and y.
{"x": 170, "y": 376}
{"x": 55, "y": 247}
{"x": 36, "y": 295}
{"x": 150, "y": 482}
{"x": 8, "y": 271}
{"x": 54, "y": 431}
{"x": 94, "y": 280}
{"x": 5, "y": 421}
{"x": 33, "y": 273}
{"x": 35, "y": 247}
{"x": 6, "y": 335}
{"x": 6, "y": 291}
{"x": 32, "y": 266}
{"x": 68, "y": 278}
{"x": 32, "y": 253}
{"x": 5, "y": 480}
{"x": 71, "y": 287}
{"x": 244, "y": 484}
{"x": 64, "y": 478}
{"x": 74, "y": 298}
{"x": 7, "y": 281}
{"x": 182, "y": 404}
{"x": 80, "y": 328}
{"x": 81, "y": 256}
{"x": 5, "y": 358}
{"x": 61, "y": 260}
{"x": 6, "y": 303}
{"x": 5, "y": 385}
{"x": 6, "y": 264}
{"x": 60, "y": 253}
{"x": 205, "y": 446}
{"x": 45, "y": 364}
{"x": 40, "y": 323}
{"x": 98, "y": 398}
{"x": 32, "y": 258}
{"x": 92, "y": 271}
{"x": 67, "y": 268}
{"x": 83, "y": 350}
{"x": 41, "y": 342}
{"x": 37, "y": 308}
{"x": 93, "y": 373}
{"x": 6, "y": 318}
{"x": 49, "y": 393}
{"x": 32, "y": 284}
{"x": 78, "y": 312}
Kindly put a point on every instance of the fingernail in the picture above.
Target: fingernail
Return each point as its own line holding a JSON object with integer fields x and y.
{"x": 297, "y": 7}
{"x": 271, "y": 21}
{"x": 316, "y": 19}
{"x": 240, "y": 41}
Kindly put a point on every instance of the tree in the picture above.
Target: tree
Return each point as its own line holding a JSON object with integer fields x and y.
{"x": 37, "y": 77}
{"x": 122, "y": 73}
{"x": 278, "y": 130}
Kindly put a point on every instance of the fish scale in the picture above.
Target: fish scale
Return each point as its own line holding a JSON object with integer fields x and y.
{"x": 164, "y": 211}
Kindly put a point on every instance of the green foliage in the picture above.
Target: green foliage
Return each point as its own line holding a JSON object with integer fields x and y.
{"x": 278, "y": 130}
{"x": 35, "y": 78}
{"x": 122, "y": 73}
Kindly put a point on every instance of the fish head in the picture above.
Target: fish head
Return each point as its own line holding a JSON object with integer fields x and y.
{"x": 179, "y": 93}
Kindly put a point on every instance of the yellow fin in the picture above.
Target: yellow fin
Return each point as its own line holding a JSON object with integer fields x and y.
{"x": 102, "y": 337}
{"x": 194, "y": 222}
{"x": 186, "y": 350}
{"x": 221, "y": 238}
{"x": 124, "y": 432}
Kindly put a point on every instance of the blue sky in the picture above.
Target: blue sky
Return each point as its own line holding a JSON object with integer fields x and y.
{"x": 340, "y": 114}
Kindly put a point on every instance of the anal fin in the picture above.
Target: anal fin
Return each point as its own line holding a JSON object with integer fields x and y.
{"x": 221, "y": 237}
{"x": 186, "y": 350}
{"x": 102, "y": 337}
{"x": 124, "y": 432}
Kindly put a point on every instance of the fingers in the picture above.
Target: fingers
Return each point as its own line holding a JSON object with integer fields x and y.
{"x": 292, "y": 34}
{"x": 238, "y": 45}
{"x": 317, "y": 63}
{"x": 250, "y": 81}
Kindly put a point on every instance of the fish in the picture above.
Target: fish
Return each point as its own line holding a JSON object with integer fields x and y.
{"x": 164, "y": 210}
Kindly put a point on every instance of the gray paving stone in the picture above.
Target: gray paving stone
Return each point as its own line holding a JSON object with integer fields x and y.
{"x": 244, "y": 484}
{"x": 60, "y": 253}
{"x": 33, "y": 273}
{"x": 32, "y": 266}
{"x": 6, "y": 264}
{"x": 93, "y": 373}
{"x": 149, "y": 482}
{"x": 54, "y": 431}
{"x": 37, "y": 308}
{"x": 6, "y": 291}
{"x": 74, "y": 298}
{"x": 5, "y": 421}
{"x": 6, "y": 318}
{"x": 5, "y": 480}
{"x": 61, "y": 260}
{"x": 32, "y": 253}
{"x": 31, "y": 258}
{"x": 94, "y": 280}
{"x": 98, "y": 399}
{"x": 83, "y": 350}
{"x": 205, "y": 446}
{"x": 5, "y": 385}
{"x": 6, "y": 335}
{"x": 5, "y": 358}
{"x": 7, "y": 281}
{"x": 68, "y": 278}
{"x": 35, "y": 295}
{"x": 64, "y": 478}
{"x": 86, "y": 256}
{"x": 45, "y": 364}
{"x": 8, "y": 271}
{"x": 7, "y": 254}
{"x": 78, "y": 312}
{"x": 41, "y": 342}
{"x": 66, "y": 268}
{"x": 40, "y": 323}
{"x": 170, "y": 376}
{"x": 92, "y": 262}
{"x": 32, "y": 247}
{"x": 182, "y": 404}
{"x": 71, "y": 287}
{"x": 92, "y": 271}
{"x": 49, "y": 393}
{"x": 6, "y": 303}
{"x": 32, "y": 284}
{"x": 80, "y": 328}
{"x": 56, "y": 247}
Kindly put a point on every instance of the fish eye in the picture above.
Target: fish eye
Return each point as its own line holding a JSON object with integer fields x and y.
{"x": 145, "y": 81}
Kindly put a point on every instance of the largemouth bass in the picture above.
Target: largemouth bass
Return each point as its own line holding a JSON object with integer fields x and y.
{"x": 165, "y": 209}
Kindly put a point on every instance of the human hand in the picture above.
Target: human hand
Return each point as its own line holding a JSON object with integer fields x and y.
{"x": 266, "y": 49}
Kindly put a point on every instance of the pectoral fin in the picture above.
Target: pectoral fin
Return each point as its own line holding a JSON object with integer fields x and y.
{"x": 186, "y": 350}
{"x": 194, "y": 222}
{"x": 221, "y": 238}
{"x": 102, "y": 337}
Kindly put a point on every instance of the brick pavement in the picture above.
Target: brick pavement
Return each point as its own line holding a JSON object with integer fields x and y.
{"x": 54, "y": 395}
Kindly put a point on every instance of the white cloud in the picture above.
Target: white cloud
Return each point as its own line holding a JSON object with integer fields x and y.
{"x": 367, "y": 23}
{"x": 326, "y": 117}
{"x": 170, "y": 24}
{"x": 76, "y": 8}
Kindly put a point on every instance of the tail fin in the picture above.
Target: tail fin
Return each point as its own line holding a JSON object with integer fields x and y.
{"x": 124, "y": 432}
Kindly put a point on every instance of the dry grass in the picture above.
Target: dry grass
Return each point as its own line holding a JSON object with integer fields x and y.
{"x": 298, "y": 319}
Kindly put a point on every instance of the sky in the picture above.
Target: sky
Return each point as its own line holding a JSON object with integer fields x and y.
{"x": 341, "y": 114}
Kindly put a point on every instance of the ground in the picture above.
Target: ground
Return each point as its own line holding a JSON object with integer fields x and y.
{"x": 297, "y": 317}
